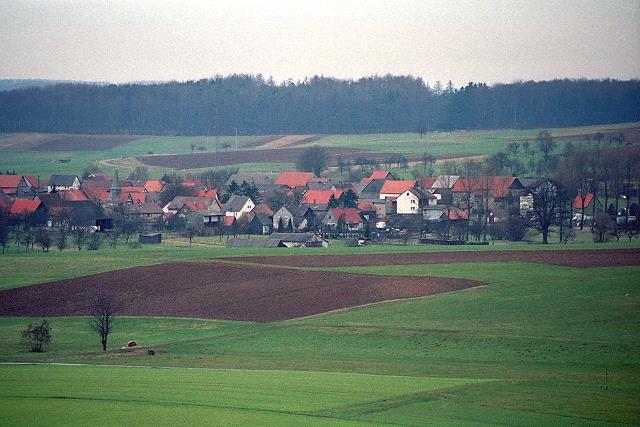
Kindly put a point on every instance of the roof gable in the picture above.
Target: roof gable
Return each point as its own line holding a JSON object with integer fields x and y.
{"x": 25, "y": 206}
{"x": 351, "y": 215}
{"x": 397, "y": 186}
{"x": 320, "y": 197}
{"x": 293, "y": 179}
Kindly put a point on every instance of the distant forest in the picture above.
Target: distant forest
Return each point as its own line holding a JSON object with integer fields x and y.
{"x": 257, "y": 106}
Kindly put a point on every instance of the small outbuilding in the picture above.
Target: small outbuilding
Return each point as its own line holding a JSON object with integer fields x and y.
{"x": 151, "y": 238}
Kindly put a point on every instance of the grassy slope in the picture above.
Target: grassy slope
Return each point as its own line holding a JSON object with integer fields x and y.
{"x": 436, "y": 143}
{"x": 544, "y": 335}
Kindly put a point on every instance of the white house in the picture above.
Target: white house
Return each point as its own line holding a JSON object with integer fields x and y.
{"x": 63, "y": 182}
{"x": 238, "y": 206}
{"x": 412, "y": 201}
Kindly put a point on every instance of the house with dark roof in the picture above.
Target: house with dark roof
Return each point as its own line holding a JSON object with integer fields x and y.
{"x": 413, "y": 200}
{"x": 261, "y": 224}
{"x": 238, "y": 206}
{"x": 260, "y": 180}
{"x": 149, "y": 212}
{"x": 284, "y": 219}
{"x": 282, "y": 240}
{"x": 63, "y": 182}
{"x": 372, "y": 190}
{"x": 5, "y": 203}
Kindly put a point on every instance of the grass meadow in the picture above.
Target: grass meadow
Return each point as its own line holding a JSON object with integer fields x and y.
{"x": 537, "y": 345}
{"x": 471, "y": 143}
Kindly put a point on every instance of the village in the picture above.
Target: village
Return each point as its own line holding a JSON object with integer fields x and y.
{"x": 290, "y": 209}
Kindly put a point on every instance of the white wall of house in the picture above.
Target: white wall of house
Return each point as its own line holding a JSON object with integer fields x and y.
{"x": 408, "y": 203}
{"x": 248, "y": 207}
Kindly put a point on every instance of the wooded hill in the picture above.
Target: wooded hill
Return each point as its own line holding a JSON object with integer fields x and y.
{"x": 315, "y": 105}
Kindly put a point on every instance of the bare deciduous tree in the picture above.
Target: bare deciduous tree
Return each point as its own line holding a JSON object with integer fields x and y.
{"x": 102, "y": 312}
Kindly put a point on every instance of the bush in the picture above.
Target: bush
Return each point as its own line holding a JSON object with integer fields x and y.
{"x": 37, "y": 337}
{"x": 351, "y": 243}
{"x": 515, "y": 228}
{"x": 602, "y": 227}
{"x": 134, "y": 245}
{"x": 94, "y": 242}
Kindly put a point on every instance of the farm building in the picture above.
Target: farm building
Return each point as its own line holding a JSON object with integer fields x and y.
{"x": 63, "y": 182}
{"x": 282, "y": 240}
{"x": 150, "y": 238}
{"x": 260, "y": 224}
{"x": 237, "y": 206}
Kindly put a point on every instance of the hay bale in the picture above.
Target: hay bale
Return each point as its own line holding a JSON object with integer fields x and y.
{"x": 132, "y": 344}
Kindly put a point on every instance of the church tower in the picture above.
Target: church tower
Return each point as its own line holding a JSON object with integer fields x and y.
{"x": 114, "y": 192}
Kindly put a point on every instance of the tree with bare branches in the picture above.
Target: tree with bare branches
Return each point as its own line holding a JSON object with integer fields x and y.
{"x": 103, "y": 311}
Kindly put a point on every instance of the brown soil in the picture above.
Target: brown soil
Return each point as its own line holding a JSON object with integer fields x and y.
{"x": 286, "y": 141}
{"x": 219, "y": 291}
{"x": 569, "y": 257}
{"x": 274, "y": 155}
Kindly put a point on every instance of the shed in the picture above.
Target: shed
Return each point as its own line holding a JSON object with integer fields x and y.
{"x": 150, "y": 238}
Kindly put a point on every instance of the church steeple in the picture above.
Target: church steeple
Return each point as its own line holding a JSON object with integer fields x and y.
{"x": 116, "y": 189}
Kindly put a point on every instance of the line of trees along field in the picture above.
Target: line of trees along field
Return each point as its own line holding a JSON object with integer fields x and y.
{"x": 316, "y": 105}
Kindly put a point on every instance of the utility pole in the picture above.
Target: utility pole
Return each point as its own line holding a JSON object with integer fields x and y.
{"x": 236, "y": 138}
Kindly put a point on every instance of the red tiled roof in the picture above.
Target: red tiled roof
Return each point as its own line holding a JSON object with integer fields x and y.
{"x": 192, "y": 183}
{"x": 264, "y": 209}
{"x": 197, "y": 205}
{"x": 32, "y": 180}
{"x": 294, "y": 179}
{"x": 228, "y": 220}
{"x": 375, "y": 175}
{"x": 351, "y": 215}
{"x": 397, "y": 186}
{"x": 134, "y": 196}
{"x": 498, "y": 186}
{"x": 427, "y": 181}
{"x": 9, "y": 183}
{"x": 457, "y": 214}
{"x": 366, "y": 206}
{"x": 72, "y": 195}
{"x": 96, "y": 193}
{"x": 320, "y": 197}
{"x": 25, "y": 206}
{"x": 153, "y": 185}
{"x": 207, "y": 194}
{"x": 577, "y": 202}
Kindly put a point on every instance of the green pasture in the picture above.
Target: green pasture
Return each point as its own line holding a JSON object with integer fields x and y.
{"x": 552, "y": 345}
{"x": 461, "y": 143}
{"x": 81, "y": 394}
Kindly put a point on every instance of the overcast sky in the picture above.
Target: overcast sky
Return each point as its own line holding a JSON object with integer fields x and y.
{"x": 461, "y": 40}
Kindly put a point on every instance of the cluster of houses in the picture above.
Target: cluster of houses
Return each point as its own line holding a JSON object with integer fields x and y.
{"x": 311, "y": 203}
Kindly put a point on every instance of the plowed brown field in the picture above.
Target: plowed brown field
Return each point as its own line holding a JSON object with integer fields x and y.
{"x": 219, "y": 291}
{"x": 274, "y": 155}
{"x": 570, "y": 258}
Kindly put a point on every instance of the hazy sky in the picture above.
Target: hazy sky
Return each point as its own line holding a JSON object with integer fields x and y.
{"x": 460, "y": 40}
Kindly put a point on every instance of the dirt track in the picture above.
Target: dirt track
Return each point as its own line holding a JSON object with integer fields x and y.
{"x": 569, "y": 257}
{"x": 219, "y": 291}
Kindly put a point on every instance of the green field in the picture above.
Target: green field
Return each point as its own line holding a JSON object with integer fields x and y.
{"x": 19, "y": 268}
{"x": 435, "y": 143}
{"x": 538, "y": 345}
